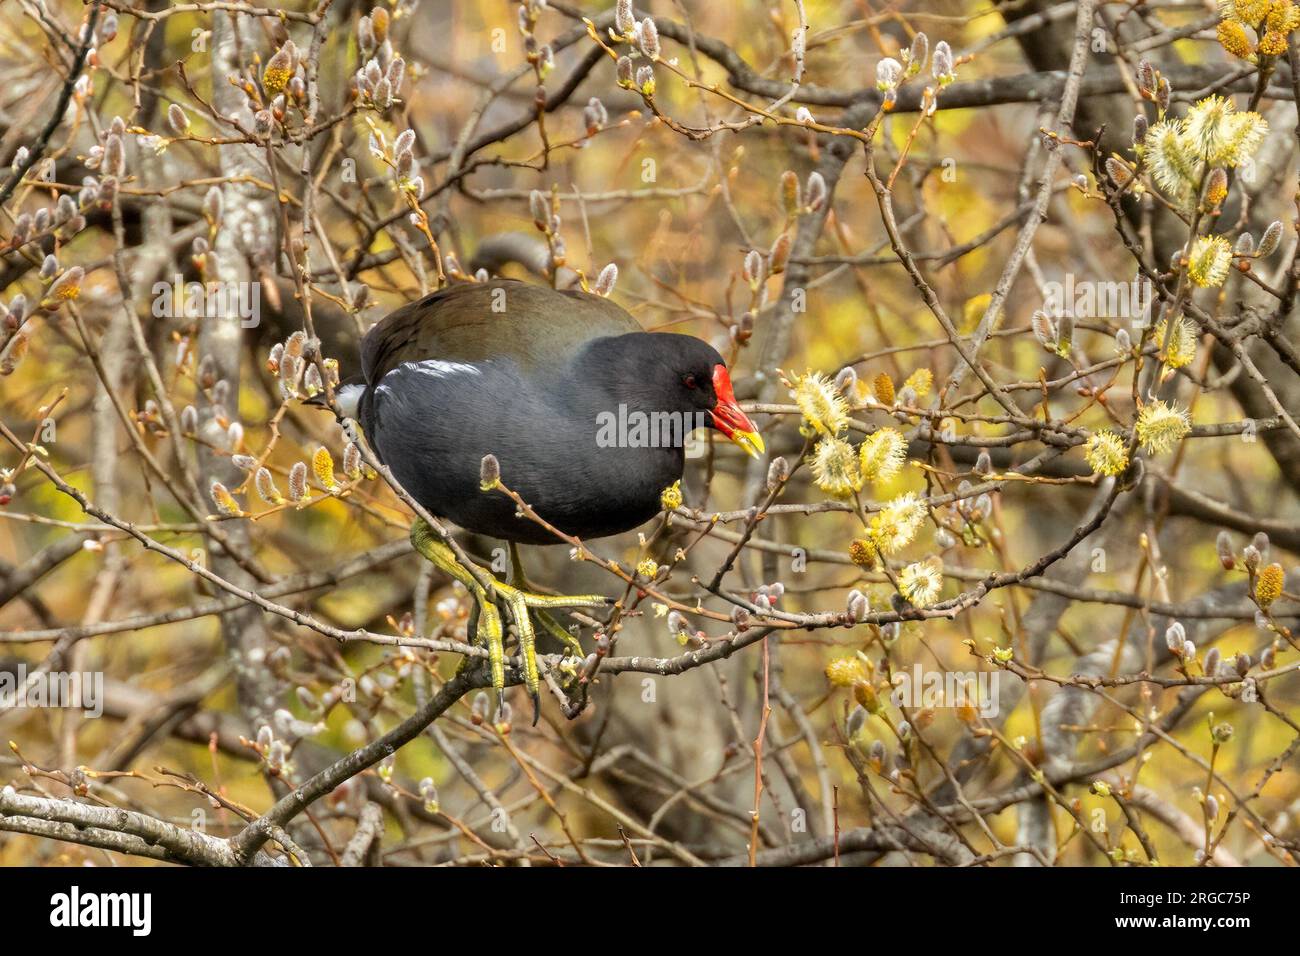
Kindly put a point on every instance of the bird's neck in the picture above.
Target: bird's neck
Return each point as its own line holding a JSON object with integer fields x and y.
{"x": 611, "y": 371}
{"x": 643, "y": 448}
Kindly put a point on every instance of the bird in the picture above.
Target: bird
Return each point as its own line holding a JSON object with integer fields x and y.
{"x": 586, "y": 414}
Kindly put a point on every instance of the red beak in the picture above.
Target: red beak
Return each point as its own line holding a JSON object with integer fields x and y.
{"x": 729, "y": 419}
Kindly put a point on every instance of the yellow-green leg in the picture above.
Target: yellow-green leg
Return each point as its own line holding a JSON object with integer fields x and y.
{"x": 520, "y": 580}
{"x": 518, "y": 602}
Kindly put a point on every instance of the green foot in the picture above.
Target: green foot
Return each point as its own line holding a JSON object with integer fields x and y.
{"x": 518, "y": 602}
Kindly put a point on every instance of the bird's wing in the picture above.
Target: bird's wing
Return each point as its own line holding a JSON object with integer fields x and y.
{"x": 533, "y": 326}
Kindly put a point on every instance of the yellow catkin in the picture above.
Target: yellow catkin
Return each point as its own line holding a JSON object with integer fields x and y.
{"x": 920, "y": 583}
{"x": 1209, "y": 260}
{"x": 1182, "y": 342}
{"x": 670, "y": 499}
{"x": 835, "y": 468}
{"x": 883, "y": 388}
{"x": 862, "y": 553}
{"x": 1272, "y": 43}
{"x": 895, "y": 525}
{"x": 1250, "y": 11}
{"x": 274, "y": 81}
{"x": 322, "y": 465}
{"x": 1232, "y": 37}
{"x": 823, "y": 406}
{"x": 265, "y": 485}
{"x": 866, "y": 695}
{"x": 1106, "y": 453}
{"x": 1283, "y": 16}
{"x": 1160, "y": 427}
{"x": 845, "y": 671}
{"x": 1217, "y": 191}
{"x": 882, "y": 454}
{"x": 379, "y": 23}
{"x": 223, "y": 499}
{"x": 920, "y": 381}
{"x": 1268, "y": 586}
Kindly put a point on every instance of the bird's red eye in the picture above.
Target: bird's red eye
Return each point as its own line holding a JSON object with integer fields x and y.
{"x": 689, "y": 381}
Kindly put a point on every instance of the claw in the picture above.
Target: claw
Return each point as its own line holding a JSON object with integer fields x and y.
{"x": 488, "y": 626}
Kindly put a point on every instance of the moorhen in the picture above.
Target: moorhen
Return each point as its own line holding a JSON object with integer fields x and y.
{"x": 586, "y": 413}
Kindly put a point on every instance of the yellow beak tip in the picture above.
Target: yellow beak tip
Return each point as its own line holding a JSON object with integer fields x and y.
{"x": 752, "y": 442}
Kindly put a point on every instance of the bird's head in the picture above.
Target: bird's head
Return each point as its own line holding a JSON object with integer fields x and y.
{"x": 667, "y": 372}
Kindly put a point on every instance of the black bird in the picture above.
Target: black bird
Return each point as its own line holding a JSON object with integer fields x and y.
{"x": 587, "y": 414}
